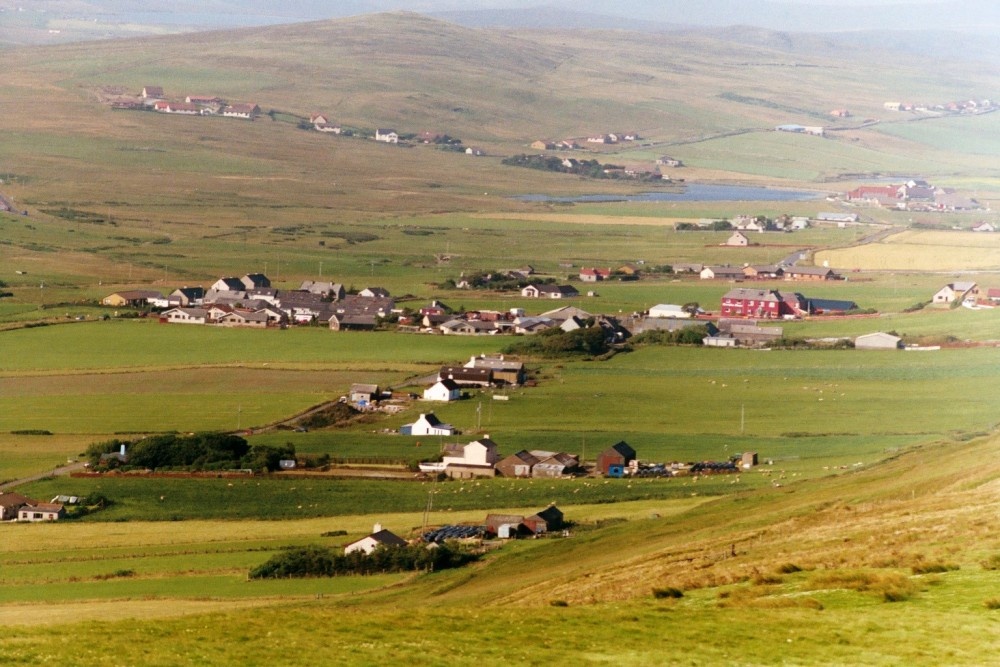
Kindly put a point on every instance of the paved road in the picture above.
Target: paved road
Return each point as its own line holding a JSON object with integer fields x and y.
{"x": 55, "y": 472}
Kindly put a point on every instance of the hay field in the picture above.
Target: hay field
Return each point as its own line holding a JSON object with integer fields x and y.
{"x": 921, "y": 250}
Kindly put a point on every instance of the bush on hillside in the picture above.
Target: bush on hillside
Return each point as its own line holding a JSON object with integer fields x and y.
{"x": 318, "y": 561}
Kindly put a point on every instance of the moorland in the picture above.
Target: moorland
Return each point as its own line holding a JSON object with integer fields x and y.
{"x": 867, "y": 538}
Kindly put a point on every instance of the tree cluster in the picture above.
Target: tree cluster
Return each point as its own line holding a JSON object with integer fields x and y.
{"x": 686, "y": 336}
{"x": 589, "y": 341}
{"x": 198, "y": 451}
{"x": 319, "y": 561}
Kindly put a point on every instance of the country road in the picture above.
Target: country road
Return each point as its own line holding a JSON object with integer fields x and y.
{"x": 55, "y": 472}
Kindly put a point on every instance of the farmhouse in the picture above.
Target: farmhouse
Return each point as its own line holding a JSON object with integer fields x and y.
{"x": 152, "y": 92}
{"x": 379, "y": 538}
{"x": 590, "y": 274}
{"x": 751, "y": 335}
{"x": 10, "y": 503}
{"x": 983, "y": 226}
{"x": 184, "y": 316}
{"x": 811, "y": 273}
{"x": 722, "y": 273}
{"x": 427, "y": 424}
{"x": 389, "y": 136}
{"x": 953, "y": 292}
{"x": 615, "y": 458}
{"x": 35, "y": 511}
{"x": 477, "y": 459}
{"x": 878, "y": 341}
{"x": 246, "y": 111}
{"x": 131, "y": 298}
{"x": 189, "y": 296}
{"x": 549, "y": 291}
{"x": 443, "y": 390}
{"x": 332, "y": 291}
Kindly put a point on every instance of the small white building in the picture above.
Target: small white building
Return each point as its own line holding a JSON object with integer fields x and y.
{"x": 379, "y": 537}
{"x": 668, "y": 310}
{"x": 427, "y": 424}
{"x": 386, "y": 135}
{"x": 443, "y": 390}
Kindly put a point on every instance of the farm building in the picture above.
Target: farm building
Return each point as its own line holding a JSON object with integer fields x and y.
{"x": 738, "y": 239}
{"x": 668, "y": 310}
{"x": 364, "y": 394}
{"x": 620, "y": 454}
{"x": 10, "y": 503}
{"x": 722, "y": 273}
{"x": 379, "y": 537}
{"x": 467, "y": 377}
{"x": 505, "y": 371}
{"x": 878, "y": 341}
{"x": 517, "y": 465}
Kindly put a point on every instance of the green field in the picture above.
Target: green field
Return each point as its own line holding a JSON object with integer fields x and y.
{"x": 866, "y": 535}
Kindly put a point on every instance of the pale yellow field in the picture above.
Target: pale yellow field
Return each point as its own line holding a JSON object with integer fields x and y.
{"x": 574, "y": 218}
{"x": 919, "y": 250}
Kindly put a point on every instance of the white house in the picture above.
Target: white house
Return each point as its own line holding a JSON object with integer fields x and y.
{"x": 443, "y": 390}
{"x": 379, "y": 537}
{"x": 386, "y": 135}
{"x": 428, "y": 424}
{"x": 477, "y": 459}
{"x": 956, "y": 292}
{"x": 185, "y": 316}
{"x": 738, "y": 239}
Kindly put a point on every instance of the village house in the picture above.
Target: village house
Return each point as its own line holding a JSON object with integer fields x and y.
{"x": 184, "y": 316}
{"x": 983, "y": 226}
{"x": 811, "y": 273}
{"x": 748, "y": 302}
{"x": 35, "y": 511}
{"x": 152, "y": 92}
{"x": 959, "y": 291}
{"x": 10, "y": 503}
{"x": 379, "y": 537}
{"x": 592, "y": 274}
{"x": 476, "y": 459}
{"x": 189, "y": 296}
{"x": 386, "y": 135}
{"x": 332, "y": 291}
{"x": 245, "y": 111}
{"x": 131, "y": 298}
{"x": 427, "y": 424}
{"x": 549, "y": 291}
{"x": 722, "y": 273}
{"x": 763, "y": 272}
{"x": 443, "y": 390}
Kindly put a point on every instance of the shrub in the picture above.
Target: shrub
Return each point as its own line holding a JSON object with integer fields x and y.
{"x": 789, "y": 568}
{"x": 559, "y": 603}
{"x": 991, "y": 563}
{"x": 929, "y": 568}
{"x": 668, "y": 592}
{"x": 992, "y": 603}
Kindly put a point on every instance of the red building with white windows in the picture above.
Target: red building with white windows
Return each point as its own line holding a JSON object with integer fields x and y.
{"x": 761, "y": 304}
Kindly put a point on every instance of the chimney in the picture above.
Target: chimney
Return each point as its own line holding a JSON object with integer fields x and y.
{"x": 377, "y": 528}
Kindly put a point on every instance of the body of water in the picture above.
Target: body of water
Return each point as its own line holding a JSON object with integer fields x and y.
{"x": 691, "y": 192}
